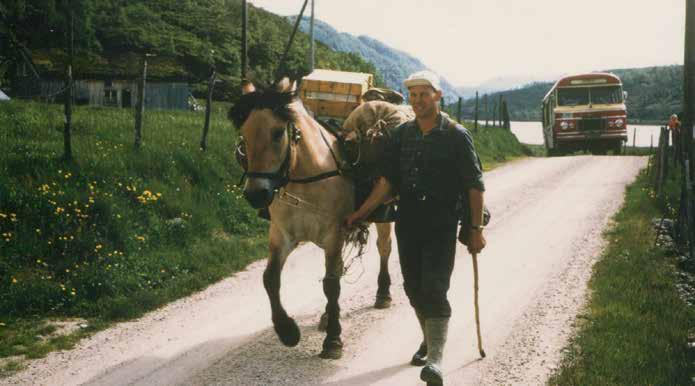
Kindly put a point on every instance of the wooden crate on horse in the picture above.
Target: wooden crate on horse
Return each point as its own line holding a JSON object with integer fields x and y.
{"x": 334, "y": 94}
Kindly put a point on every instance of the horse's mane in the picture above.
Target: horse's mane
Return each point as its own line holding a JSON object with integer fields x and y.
{"x": 266, "y": 98}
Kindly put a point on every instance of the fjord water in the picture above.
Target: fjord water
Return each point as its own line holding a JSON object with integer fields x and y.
{"x": 532, "y": 133}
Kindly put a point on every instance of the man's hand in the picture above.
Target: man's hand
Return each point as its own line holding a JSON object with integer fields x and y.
{"x": 477, "y": 242}
{"x": 353, "y": 218}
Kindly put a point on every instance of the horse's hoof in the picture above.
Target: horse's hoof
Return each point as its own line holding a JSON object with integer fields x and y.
{"x": 323, "y": 322}
{"x": 332, "y": 352}
{"x": 332, "y": 348}
{"x": 382, "y": 301}
{"x": 288, "y": 332}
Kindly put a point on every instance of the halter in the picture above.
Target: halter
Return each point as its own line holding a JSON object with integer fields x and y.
{"x": 282, "y": 174}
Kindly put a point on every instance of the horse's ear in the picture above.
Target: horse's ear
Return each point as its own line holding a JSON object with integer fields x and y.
{"x": 247, "y": 87}
{"x": 285, "y": 85}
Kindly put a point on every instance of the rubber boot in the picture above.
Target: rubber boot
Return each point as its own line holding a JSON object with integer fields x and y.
{"x": 421, "y": 353}
{"x": 435, "y": 331}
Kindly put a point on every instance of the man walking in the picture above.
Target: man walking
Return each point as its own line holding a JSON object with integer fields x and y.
{"x": 430, "y": 162}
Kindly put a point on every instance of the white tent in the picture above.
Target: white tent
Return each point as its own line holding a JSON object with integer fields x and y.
{"x": 3, "y": 97}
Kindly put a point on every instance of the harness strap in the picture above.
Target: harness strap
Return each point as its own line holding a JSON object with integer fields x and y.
{"x": 315, "y": 178}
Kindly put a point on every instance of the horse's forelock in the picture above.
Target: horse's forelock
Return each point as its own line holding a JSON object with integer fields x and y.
{"x": 277, "y": 102}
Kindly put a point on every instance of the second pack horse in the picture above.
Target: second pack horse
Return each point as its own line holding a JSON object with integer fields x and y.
{"x": 293, "y": 168}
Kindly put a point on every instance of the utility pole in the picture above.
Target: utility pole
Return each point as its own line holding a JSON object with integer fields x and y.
{"x": 689, "y": 77}
{"x": 244, "y": 39}
{"x": 312, "y": 53}
{"x": 69, "y": 88}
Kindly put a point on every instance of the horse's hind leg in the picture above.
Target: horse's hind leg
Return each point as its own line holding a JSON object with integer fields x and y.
{"x": 332, "y": 344}
{"x": 383, "y": 243}
{"x": 285, "y": 327}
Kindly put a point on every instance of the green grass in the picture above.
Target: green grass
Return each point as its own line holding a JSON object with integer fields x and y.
{"x": 496, "y": 145}
{"x": 118, "y": 232}
{"x": 635, "y": 328}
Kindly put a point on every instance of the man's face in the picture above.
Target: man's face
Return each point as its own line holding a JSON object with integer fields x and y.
{"x": 424, "y": 100}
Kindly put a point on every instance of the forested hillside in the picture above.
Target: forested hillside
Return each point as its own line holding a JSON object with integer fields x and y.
{"x": 393, "y": 65}
{"x": 186, "y": 37}
{"x": 654, "y": 93}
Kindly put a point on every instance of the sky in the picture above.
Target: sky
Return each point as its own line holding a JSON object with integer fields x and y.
{"x": 471, "y": 41}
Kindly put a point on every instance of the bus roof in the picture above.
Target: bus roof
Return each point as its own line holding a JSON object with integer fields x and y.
{"x": 587, "y": 79}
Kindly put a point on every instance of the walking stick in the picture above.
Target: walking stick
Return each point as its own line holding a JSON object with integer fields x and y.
{"x": 475, "y": 303}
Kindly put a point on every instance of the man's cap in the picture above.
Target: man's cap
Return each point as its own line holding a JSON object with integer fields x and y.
{"x": 423, "y": 78}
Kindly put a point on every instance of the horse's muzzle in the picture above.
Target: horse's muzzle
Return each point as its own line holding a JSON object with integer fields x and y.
{"x": 259, "y": 195}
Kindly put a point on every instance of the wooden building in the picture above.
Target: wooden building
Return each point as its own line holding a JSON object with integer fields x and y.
{"x": 167, "y": 95}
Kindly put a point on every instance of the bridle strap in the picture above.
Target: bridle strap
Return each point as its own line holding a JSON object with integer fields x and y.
{"x": 282, "y": 174}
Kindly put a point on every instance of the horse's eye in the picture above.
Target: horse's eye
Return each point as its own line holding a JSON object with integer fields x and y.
{"x": 277, "y": 134}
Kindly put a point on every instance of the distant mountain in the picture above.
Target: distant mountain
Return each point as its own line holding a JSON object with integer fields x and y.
{"x": 393, "y": 65}
{"x": 654, "y": 93}
{"x": 502, "y": 83}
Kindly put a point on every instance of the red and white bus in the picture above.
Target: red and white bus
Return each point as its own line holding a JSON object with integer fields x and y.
{"x": 585, "y": 112}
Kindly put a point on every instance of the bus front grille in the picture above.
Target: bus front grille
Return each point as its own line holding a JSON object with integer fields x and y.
{"x": 591, "y": 124}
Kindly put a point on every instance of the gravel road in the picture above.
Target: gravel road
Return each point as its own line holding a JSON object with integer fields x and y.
{"x": 545, "y": 234}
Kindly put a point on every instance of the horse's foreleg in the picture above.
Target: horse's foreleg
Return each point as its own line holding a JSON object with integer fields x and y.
{"x": 332, "y": 344}
{"x": 285, "y": 327}
{"x": 383, "y": 243}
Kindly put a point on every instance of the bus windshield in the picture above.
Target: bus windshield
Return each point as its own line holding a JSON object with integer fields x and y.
{"x": 606, "y": 95}
{"x": 572, "y": 96}
{"x": 582, "y": 95}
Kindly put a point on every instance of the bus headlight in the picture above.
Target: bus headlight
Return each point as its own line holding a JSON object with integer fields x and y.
{"x": 564, "y": 125}
{"x": 619, "y": 123}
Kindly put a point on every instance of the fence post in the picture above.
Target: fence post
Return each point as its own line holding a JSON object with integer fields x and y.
{"x": 634, "y": 138}
{"x": 689, "y": 209}
{"x": 487, "y": 113}
{"x": 458, "y": 114}
{"x": 67, "y": 129}
{"x": 505, "y": 114}
{"x": 475, "y": 116}
{"x": 494, "y": 114}
{"x": 140, "y": 109}
{"x": 661, "y": 172}
{"x": 208, "y": 108}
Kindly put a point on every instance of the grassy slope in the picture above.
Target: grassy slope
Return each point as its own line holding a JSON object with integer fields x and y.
{"x": 635, "y": 328}
{"x": 117, "y": 232}
{"x": 87, "y": 239}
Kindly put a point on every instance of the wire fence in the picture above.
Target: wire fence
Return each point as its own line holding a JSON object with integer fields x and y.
{"x": 669, "y": 162}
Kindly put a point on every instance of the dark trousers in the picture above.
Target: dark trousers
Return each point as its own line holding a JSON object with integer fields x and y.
{"x": 426, "y": 236}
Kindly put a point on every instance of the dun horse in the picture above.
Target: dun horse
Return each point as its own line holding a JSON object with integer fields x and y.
{"x": 293, "y": 169}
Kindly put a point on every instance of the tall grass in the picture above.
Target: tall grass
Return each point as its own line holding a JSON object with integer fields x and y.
{"x": 117, "y": 231}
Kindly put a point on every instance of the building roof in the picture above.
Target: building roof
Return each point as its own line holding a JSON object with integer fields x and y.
{"x": 3, "y": 96}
